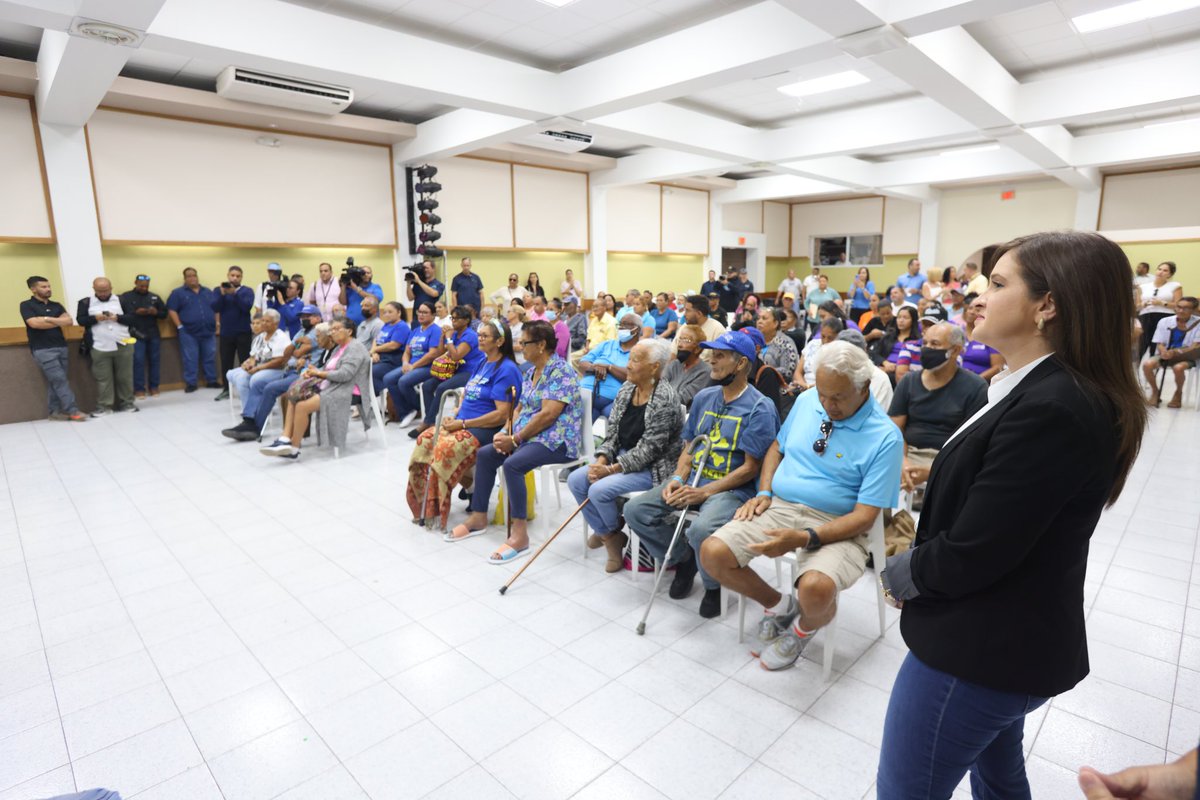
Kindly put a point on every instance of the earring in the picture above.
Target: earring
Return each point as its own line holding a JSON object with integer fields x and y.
{"x": 1041, "y": 323}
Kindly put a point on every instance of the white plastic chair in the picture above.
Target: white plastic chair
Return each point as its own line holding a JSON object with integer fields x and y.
{"x": 549, "y": 472}
{"x": 369, "y": 399}
{"x": 875, "y": 545}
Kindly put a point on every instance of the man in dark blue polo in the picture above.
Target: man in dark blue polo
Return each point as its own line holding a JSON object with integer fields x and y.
{"x": 426, "y": 289}
{"x": 466, "y": 289}
{"x": 44, "y": 323}
{"x": 233, "y": 302}
{"x": 190, "y": 308}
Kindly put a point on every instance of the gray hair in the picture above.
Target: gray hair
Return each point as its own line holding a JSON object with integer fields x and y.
{"x": 271, "y": 313}
{"x": 321, "y": 329}
{"x": 843, "y": 358}
{"x": 658, "y": 351}
{"x": 956, "y": 335}
{"x": 853, "y": 337}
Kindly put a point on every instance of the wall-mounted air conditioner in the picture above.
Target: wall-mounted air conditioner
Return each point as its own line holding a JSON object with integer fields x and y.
{"x": 252, "y": 86}
{"x": 559, "y": 141}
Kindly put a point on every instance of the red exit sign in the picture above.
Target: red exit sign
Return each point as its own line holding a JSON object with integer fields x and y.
{"x": 1009, "y": 194}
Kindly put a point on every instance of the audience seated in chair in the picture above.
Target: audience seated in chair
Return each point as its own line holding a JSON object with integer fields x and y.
{"x": 546, "y": 431}
{"x": 881, "y": 384}
{"x": 264, "y": 365}
{"x": 833, "y": 466}
{"x": 806, "y": 368}
{"x": 687, "y": 372}
{"x": 1177, "y": 346}
{"x": 489, "y": 395}
{"x": 640, "y": 447}
{"x": 605, "y": 364}
{"x": 387, "y": 351}
{"x": 402, "y": 383}
{"x": 739, "y": 424}
{"x": 462, "y": 347}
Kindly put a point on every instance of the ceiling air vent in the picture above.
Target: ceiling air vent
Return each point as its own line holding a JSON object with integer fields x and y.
{"x": 251, "y": 86}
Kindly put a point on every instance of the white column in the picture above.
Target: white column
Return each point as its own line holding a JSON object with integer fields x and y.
{"x": 927, "y": 243}
{"x": 595, "y": 263}
{"x": 1087, "y": 209}
{"x": 73, "y": 203}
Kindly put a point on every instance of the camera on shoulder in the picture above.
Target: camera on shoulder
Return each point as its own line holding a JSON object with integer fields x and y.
{"x": 351, "y": 273}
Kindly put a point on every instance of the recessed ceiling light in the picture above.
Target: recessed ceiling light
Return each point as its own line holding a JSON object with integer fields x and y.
{"x": 826, "y": 83}
{"x": 983, "y": 148}
{"x": 1171, "y": 122}
{"x": 557, "y": 3}
{"x": 1129, "y": 13}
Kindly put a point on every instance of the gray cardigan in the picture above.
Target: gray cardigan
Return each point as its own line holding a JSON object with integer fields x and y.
{"x": 659, "y": 448}
{"x": 353, "y": 369}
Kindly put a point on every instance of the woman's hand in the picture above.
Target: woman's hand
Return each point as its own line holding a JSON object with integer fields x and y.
{"x": 598, "y": 470}
{"x": 449, "y": 427}
{"x": 752, "y": 508}
{"x": 888, "y": 366}
{"x": 782, "y": 542}
{"x": 504, "y": 443}
{"x": 374, "y": 358}
{"x": 407, "y": 368}
{"x": 1174, "y": 781}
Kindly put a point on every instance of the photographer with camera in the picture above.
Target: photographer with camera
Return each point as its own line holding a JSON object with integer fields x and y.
{"x": 233, "y": 302}
{"x": 356, "y": 284}
{"x": 288, "y": 304}
{"x": 422, "y": 285}
{"x": 262, "y": 292}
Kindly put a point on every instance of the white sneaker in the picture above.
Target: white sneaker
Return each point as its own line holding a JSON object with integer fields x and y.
{"x": 408, "y": 419}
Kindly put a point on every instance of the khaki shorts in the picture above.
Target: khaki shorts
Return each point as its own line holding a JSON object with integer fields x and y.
{"x": 844, "y": 562}
{"x": 922, "y": 456}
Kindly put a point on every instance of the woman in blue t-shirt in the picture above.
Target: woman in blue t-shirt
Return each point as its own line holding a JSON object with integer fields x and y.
{"x": 491, "y": 391}
{"x": 387, "y": 352}
{"x": 462, "y": 346}
{"x": 424, "y": 345}
{"x": 860, "y": 293}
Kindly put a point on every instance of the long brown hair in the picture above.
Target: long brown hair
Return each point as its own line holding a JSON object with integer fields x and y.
{"x": 1087, "y": 275}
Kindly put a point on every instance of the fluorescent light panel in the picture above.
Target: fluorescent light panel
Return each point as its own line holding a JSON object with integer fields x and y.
{"x": 827, "y": 83}
{"x": 1129, "y": 13}
{"x": 557, "y": 3}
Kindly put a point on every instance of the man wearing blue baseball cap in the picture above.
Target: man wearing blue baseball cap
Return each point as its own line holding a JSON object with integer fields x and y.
{"x": 740, "y": 425}
{"x": 303, "y": 347}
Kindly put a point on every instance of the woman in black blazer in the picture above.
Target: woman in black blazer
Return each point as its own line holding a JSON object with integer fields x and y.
{"x": 992, "y": 589}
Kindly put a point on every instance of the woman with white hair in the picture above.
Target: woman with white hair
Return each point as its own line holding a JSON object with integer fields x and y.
{"x": 640, "y": 449}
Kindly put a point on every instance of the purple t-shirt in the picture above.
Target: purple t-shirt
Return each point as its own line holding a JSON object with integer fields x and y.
{"x": 977, "y": 357}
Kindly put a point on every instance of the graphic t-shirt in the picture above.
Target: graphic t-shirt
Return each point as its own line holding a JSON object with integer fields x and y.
{"x": 422, "y": 340}
{"x": 490, "y": 383}
{"x": 747, "y": 425}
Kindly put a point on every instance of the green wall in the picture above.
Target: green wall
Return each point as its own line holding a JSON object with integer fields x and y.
{"x": 494, "y": 267}
{"x": 17, "y": 263}
{"x": 840, "y": 278}
{"x": 660, "y": 273}
{"x": 1186, "y": 256}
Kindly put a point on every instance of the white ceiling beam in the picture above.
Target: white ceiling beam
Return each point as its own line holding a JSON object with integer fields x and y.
{"x": 675, "y": 128}
{"x": 1154, "y": 142}
{"x": 74, "y": 73}
{"x": 953, "y": 167}
{"x": 458, "y": 132}
{"x": 695, "y": 59}
{"x": 837, "y": 17}
{"x": 773, "y": 187}
{"x": 659, "y": 165}
{"x": 914, "y": 17}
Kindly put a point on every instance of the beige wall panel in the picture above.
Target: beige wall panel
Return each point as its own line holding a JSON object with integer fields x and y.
{"x": 167, "y": 180}
{"x": 551, "y": 208}
{"x": 476, "y": 203}
{"x": 1165, "y": 199}
{"x": 685, "y": 220}
{"x": 742, "y": 217}
{"x": 23, "y": 212}
{"x": 901, "y": 226}
{"x": 633, "y": 218}
{"x": 976, "y": 217}
{"x": 775, "y": 220}
{"x": 861, "y": 215}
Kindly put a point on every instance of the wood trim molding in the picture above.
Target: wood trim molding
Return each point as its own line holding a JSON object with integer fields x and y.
{"x": 449, "y": 248}
{"x": 17, "y": 335}
{"x": 87, "y": 141}
{"x": 37, "y": 138}
{"x": 327, "y": 245}
{"x": 653, "y": 253}
{"x": 28, "y": 240}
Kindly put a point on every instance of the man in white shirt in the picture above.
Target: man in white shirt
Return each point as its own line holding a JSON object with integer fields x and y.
{"x": 790, "y": 285}
{"x": 1142, "y": 274}
{"x": 324, "y": 292}
{"x": 264, "y": 365}
{"x": 107, "y": 335}
{"x": 1177, "y": 340}
{"x": 504, "y": 296}
{"x": 810, "y": 283}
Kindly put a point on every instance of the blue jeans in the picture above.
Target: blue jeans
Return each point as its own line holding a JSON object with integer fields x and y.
{"x": 204, "y": 346}
{"x": 378, "y": 371}
{"x": 600, "y": 406}
{"x": 601, "y": 513}
{"x": 403, "y": 388}
{"x": 938, "y": 727}
{"x": 528, "y": 456}
{"x": 654, "y": 521}
{"x": 269, "y": 394}
{"x": 434, "y": 390}
{"x": 53, "y": 363}
{"x": 249, "y": 387}
{"x": 141, "y": 349}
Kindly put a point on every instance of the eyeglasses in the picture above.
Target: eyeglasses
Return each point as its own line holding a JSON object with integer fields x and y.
{"x": 142, "y": 277}
{"x": 524, "y": 343}
{"x": 822, "y": 444}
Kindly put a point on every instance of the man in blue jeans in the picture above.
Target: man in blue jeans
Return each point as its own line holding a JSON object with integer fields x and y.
{"x": 190, "y": 308}
{"x": 44, "y": 323}
{"x": 740, "y": 424}
{"x": 146, "y": 308}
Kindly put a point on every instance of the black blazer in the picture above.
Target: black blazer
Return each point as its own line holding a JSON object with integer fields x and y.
{"x": 1001, "y": 547}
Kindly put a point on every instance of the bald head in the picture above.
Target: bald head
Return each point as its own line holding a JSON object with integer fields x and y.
{"x": 102, "y": 288}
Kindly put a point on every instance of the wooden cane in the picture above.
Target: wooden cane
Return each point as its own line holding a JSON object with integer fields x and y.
{"x": 545, "y": 544}
{"x": 512, "y": 409}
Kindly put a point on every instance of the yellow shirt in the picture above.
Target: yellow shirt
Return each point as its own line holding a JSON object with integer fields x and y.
{"x": 600, "y": 330}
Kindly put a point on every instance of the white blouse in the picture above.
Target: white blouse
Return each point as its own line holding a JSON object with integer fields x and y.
{"x": 1165, "y": 293}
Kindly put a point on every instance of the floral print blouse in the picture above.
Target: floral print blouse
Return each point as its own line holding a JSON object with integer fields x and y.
{"x": 558, "y": 381}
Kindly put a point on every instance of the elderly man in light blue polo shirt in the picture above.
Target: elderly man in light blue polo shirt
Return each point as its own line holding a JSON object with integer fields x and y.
{"x": 834, "y": 465}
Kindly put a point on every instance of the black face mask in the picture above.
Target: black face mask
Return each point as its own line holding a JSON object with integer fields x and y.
{"x": 683, "y": 355}
{"x": 307, "y": 324}
{"x": 932, "y": 357}
{"x": 728, "y": 379}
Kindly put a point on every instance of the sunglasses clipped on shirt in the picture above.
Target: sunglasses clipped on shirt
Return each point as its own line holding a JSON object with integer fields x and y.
{"x": 822, "y": 444}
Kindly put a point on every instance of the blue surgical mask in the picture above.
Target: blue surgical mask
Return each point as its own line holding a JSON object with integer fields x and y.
{"x": 551, "y": 316}
{"x": 624, "y": 335}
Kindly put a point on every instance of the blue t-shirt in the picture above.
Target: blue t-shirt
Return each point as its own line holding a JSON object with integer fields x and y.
{"x": 747, "y": 425}
{"x": 467, "y": 290}
{"x": 422, "y": 340}
{"x": 475, "y": 356}
{"x": 861, "y": 463}
{"x": 395, "y": 332}
{"x": 354, "y": 301}
{"x": 662, "y": 319}
{"x": 608, "y": 353}
{"x": 490, "y": 383}
{"x": 862, "y": 296}
{"x": 911, "y": 284}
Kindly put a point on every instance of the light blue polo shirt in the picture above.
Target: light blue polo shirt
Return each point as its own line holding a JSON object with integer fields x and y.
{"x": 861, "y": 463}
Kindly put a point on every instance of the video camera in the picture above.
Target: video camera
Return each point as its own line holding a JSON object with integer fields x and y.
{"x": 354, "y": 274}
{"x": 414, "y": 271}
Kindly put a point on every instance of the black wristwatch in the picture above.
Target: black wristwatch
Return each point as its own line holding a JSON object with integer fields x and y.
{"x": 814, "y": 541}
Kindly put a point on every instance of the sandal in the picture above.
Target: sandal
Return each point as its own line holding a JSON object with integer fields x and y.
{"x": 506, "y": 553}
{"x": 1176, "y": 402}
{"x": 461, "y": 532}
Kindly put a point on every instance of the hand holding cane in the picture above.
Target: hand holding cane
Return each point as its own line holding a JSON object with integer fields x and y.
{"x": 512, "y": 409}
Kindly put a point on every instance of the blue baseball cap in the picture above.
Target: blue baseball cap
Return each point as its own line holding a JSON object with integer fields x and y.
{"x": 310, "y": 309}
{"x": 274, "y": 267}
{"x": 755, "y": 336}
{"x": 734, "y": 342}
